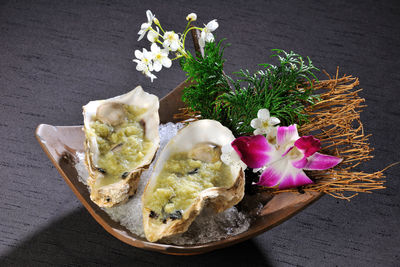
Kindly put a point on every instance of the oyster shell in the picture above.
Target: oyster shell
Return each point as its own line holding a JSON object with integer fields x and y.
{"x": 187, "y": 175}
{"x": 121, "y": 140}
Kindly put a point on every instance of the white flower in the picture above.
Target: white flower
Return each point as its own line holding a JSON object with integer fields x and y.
{"x": 153, "y": 36}
{"x": 191, "y": 17}
{"x": 149, "y": 74}
{"x": 206, "y": 34}
{"x": 144, "y": 63}
{"x": 144, "y": 60}
{"x": 230, "y": 157}
{"x": 264, "y": 123}
{"x": 147, "y": 25}
{"x": 160, "y": 57}
{"x": 171, "y": 40}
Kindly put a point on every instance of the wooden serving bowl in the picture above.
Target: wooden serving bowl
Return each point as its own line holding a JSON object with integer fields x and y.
{"x": 60, "y": 143}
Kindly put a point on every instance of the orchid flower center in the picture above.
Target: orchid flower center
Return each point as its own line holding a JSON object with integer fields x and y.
{"x": 294, "y": 153}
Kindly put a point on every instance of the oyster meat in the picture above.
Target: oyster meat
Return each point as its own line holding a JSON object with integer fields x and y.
{"x": 187, "y": 175}
{"x": 121, "y": 140}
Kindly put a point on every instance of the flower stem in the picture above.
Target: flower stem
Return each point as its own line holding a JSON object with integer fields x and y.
{"x": 186, "y": 32}
{"x": 159, "y": 25}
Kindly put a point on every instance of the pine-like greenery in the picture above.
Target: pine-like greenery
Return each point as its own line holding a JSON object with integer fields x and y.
{"x": 235, "y": 102}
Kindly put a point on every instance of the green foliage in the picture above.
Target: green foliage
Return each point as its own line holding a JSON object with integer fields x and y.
{"x": 274, "y": 87}
{"x": 207, "y": 74}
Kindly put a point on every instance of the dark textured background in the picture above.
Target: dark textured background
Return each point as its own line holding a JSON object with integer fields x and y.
{"x": 56, "y": 56}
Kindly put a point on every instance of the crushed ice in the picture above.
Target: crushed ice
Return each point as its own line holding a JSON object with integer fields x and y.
{"x": 207, "y": 227}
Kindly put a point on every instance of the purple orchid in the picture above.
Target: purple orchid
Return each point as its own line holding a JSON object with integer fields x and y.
{"x": 283, "y": 161}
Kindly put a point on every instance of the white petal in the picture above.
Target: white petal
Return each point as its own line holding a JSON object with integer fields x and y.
{"x": 157, "y": 66}
{"x": 202, "y": 41}
{"x": 274, "y": 121}
{"x": 165, "y": 52}
{"x": 259, "y": 131}
{"x": 148, "y": 54}
{"x": 212, "y": 25}
{"x": 174, "y": 46}
{"x": 166, "y": 62}
{"x": 263, "y": 114}
{"x": 166, "y": 43}
{"x": 149, "y": 15}
{"x": 145, "y": 26}
{"x": 141, "y": 66}
{"x": 152, "y": 36}
{"x": 138, "y": 54}
{"x": 191, "y": 17}
{"x": 154, "y": 48}
{"x": 255, "y": 123}
{"x": 141, "y": 35}
{"x": 152, "y": 77}
{"x": 209, "y": 37}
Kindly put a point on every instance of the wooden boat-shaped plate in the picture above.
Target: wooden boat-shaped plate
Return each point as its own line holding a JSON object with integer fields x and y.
{"x": 60, "y": 143}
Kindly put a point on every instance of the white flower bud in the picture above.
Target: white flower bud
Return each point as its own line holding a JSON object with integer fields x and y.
{"x": 191, "y": 17}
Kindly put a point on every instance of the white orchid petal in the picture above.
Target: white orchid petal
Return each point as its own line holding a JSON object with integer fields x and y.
{"x": 263, "y": 114}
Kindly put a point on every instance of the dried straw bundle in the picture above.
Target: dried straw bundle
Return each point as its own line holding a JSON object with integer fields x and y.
{"x": 335, "y": 120}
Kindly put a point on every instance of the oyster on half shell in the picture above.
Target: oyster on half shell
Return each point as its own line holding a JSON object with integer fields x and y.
{"x": 188, "y": 175}
{"x": 121, "y": 140}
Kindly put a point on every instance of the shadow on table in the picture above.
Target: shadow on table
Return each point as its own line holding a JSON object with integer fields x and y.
{"x": 78, "y": 240}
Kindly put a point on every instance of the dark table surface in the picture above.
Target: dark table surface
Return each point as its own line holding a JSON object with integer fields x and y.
{"x": 55, "y": 56}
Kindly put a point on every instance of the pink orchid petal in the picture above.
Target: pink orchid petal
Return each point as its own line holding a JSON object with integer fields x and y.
{"x": 253, "y": 150}
{"x": 300, "y": 164}
{"x": 282, "y": 173}
{"x": 308, "y": 145}
{"x": 286, "y": 134}
{"x": 320, "y": 161}
{"x": 269, "y": 178}
{"x": 299, "y": 179}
